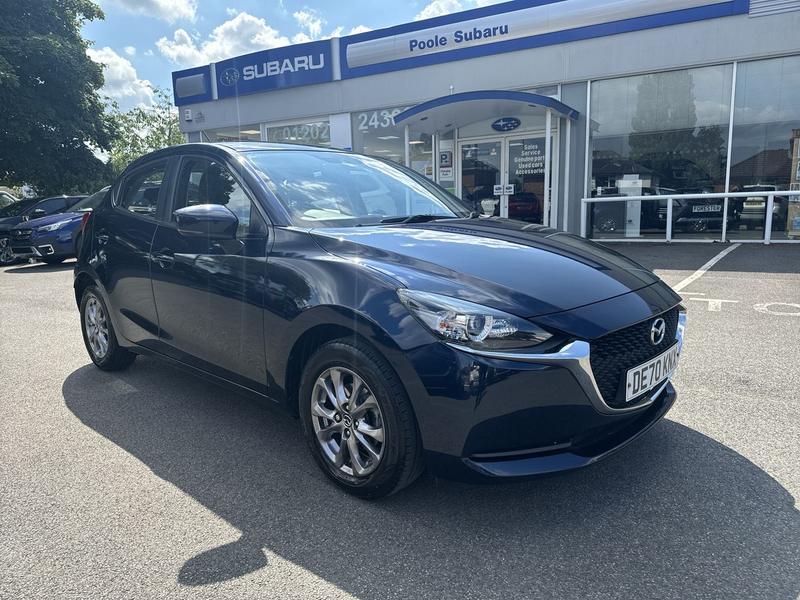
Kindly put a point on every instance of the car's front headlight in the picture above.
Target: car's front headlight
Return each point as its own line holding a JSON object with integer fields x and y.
{"x": 468, "y": 324}
{"x": 54, "y": 226}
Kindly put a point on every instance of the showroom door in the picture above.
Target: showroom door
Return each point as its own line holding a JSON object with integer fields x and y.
{"x": 482, "y": 169}
{"x": 507, "y": 176}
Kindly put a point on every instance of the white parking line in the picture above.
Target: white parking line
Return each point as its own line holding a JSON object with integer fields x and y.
{"x": 702, "y": 270}
{"x": 715, "y": 305}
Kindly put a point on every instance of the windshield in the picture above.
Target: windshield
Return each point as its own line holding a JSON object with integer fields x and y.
{"x": 331, "y": 189}
{"x": 90, "y": 202}
{"x": 16, "y": 209}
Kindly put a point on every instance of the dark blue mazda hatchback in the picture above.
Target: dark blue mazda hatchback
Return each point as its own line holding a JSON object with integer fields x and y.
{"x": 405, "y": 332}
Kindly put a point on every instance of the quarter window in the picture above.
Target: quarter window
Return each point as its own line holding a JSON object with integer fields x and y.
{"x": 140, "y": 191}
{"x": 204, "y": 181}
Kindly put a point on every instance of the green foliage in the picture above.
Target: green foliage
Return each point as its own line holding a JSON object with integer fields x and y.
{"x": 51, "y": 114}
{"x": 144, "y": 129}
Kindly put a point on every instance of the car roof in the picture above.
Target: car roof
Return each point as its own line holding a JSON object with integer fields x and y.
{"x": 251, "y": 146}
{"x": 223, "y": 148}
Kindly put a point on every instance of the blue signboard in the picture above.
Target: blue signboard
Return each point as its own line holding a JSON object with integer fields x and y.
{"x": 515, "y": 25}
{"x": 276, "y": 68}
{"x": 192, "y": 85}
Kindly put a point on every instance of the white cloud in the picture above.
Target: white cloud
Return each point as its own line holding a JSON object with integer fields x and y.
{"x": 310, "y": 21}
{"x": 437, "y": 8}
{"x": 360, "y": 29}
{"x": 122, "y": 83}
{"x": 242, "y": 34}
{"x": 168, "y": 10}
{"x": 148, "y": 52}
{"x": 130, "y": 50}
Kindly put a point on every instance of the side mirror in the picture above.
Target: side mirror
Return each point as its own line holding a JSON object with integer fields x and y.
{"x": 211, "y": 221}
{"x": 39, "y": 212}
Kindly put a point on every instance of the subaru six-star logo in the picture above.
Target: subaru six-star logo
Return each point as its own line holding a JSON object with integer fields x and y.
{"x": 506, "y": 124}
{"x": 657, "y": 331}
{"x": 229, "y": 76}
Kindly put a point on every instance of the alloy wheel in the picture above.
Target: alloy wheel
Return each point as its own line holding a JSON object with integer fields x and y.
{"x": 348, "y": 422}
{"x": 96, "y": 327}
{"x": 6, "y": 255}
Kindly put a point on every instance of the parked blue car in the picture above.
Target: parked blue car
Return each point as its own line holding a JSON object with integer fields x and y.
{"x": 405, "y": 331}
{"x": 54, "y": 238}
{"x": 24, "y": 210}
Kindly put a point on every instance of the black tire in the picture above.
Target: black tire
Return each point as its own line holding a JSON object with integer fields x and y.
{"x": 116, "y": 358}
{"x": 402, "y": 459}
{"x": 53, "y": 260}
{"x": 7, "y": 258}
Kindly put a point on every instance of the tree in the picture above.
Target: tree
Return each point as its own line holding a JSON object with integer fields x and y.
{"x": 144, "y": 129}
{"x": 51, "y": 113}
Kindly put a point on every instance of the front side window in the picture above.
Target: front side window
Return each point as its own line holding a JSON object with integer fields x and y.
{"x": 141, "y": 189}
{"x": 91, "y": 202}
{"x": 51, "y": 206}
{"x": 204, "y": 181}
{"x": 331, "y": 189}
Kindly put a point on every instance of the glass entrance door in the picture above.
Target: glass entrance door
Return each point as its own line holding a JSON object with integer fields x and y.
{"x": 482, "y": 167}
{"x": 507, "y": 176}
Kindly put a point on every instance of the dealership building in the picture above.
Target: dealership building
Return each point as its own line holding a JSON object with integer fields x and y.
{"x": 527, "y": 107}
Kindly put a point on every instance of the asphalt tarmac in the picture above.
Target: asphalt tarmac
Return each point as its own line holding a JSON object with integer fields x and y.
{"x": 155, "y": 484}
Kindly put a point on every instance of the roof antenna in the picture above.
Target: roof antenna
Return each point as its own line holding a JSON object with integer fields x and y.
{"x": 451, "y": 89}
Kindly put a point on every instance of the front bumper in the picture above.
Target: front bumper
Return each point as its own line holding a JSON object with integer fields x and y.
{"x": 505, "y": 415}
{"x": 42, "y": 246}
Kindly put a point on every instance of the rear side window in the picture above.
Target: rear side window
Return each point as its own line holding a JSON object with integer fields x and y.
{"x": 140, "y": 190}
{"x": 205, "y": 181}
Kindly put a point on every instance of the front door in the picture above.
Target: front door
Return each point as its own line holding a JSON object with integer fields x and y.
{"x": 210, "y": 293}
{"x": 507, "y": 176}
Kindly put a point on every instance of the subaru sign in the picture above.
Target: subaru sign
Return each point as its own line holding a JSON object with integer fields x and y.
{"x": 506, "y": 124}
{"x": 277, "y": 68}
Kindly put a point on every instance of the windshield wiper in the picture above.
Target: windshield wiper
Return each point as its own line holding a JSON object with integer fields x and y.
{"x": 415, "y": 219}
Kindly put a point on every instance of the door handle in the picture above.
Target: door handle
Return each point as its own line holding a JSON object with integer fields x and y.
{"x": 164, "y": 258}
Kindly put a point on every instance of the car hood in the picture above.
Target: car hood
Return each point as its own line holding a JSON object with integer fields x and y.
{"x": 50, "y": 219}
{"x": 524, "y": 269}
{"x": 8, "y": 223}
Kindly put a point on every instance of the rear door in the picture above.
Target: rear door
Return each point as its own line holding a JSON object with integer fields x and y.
{"x": 122, "y": 236}
{"x": 210, "y": 293}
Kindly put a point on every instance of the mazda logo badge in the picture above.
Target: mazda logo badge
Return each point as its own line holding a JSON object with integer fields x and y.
{"x": 657, "y": 331}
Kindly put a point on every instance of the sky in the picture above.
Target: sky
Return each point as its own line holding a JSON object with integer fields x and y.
{"x": 141, "y": 42}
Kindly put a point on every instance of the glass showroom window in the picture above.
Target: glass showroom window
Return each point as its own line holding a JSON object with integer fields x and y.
{"x": 420, "y": 153}
{"x": 375, "y": 134}
{"x": 766, "y": 146}
{"x": 313, "y": 133}
{"x": 243, "y": 133}
{"x": 659, "y": 134}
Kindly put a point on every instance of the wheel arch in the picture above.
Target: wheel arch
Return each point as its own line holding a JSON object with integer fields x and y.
{"x": 82, "y": 281}
{"x": 337, "y": 323}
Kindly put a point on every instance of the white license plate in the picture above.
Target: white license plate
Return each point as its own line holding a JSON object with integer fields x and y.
{"x": 704, "y": 208}
{"x": 649, "y": 375}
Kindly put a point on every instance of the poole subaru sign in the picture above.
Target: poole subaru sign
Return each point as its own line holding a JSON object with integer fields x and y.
{"x": 276, "y": 68}
{"x": 515, "y": 26}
